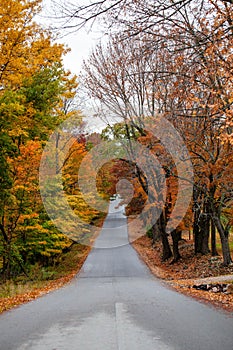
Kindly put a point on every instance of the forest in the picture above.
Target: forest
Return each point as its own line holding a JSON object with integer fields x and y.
{"x": 36, "y": 95}
{"x": 167, "y": 65}
{"x": 171, "y": 60}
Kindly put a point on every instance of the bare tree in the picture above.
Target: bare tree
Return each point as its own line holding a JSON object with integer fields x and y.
{"x": 135, "y": 15}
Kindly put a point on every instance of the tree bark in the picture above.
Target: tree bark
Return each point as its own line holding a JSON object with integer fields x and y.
{"x": 201, "y": 226}
{"x": 176, "y": 237}
{"x": 196, "y": 228}
{"x": 196, "y": 232}
{"x": 205, "y": 231}
{"x": 224, "y": 235}
{"x": 167, "y": 253}
{"x": 213, "y": 239}
{"x": 156, "y": 233}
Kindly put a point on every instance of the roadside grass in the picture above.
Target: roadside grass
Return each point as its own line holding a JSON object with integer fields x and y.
{"x": 42, "y": 280}
{"x": 219, "y": 246}
{"x": 189, "y": 237}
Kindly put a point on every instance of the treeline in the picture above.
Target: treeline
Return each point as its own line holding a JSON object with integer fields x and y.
{"x": 36, "y": 95}
{"x": 172, "y": 59}
{"x": 169, "y": 60}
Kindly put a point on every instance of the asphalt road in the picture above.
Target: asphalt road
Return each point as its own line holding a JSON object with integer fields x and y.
{"x": 115, "y": 304}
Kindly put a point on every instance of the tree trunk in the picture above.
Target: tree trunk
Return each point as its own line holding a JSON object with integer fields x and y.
{"x": 176, "y": 237}
{"x": 7, "y": 261}
{"x": 201, "y": 230}
{"x": 224, "y": 235}
{"x": 213, "y": 239}
{"x": 6, "y": 268}
{"x": 57, "y": 153}
{"x": 156, "y": 233}
{"x": 196, "y": 228}
{"x": 196, "y": 232}
{"x": 205, "y": 231}
{"x": 226, "y": 251}
{"x": 167, "y": 253}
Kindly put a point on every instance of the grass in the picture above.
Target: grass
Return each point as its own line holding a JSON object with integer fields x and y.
{"x": 42, "y": 280}
{"x": 219, "y": 246}
{"x": 185, "y": 235}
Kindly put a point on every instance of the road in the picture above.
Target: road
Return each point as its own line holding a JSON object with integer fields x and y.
{"x": 115, "y": 304}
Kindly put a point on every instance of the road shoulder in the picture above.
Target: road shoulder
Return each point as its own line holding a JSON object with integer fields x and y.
{"x": 186, "y": 273}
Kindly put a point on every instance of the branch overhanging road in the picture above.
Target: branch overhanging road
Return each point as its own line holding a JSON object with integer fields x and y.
{"x": 115, "y": 304}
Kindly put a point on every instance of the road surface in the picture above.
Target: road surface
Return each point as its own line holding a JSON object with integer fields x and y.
{"x": 115, "y": 304}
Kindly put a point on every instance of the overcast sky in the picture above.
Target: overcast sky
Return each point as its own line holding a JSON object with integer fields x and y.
{"x": 81, "y": 44}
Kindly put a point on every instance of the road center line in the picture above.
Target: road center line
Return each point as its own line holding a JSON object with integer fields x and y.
{"x": 119, "y": 310}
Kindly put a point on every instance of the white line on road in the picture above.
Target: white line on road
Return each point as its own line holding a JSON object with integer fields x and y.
{"x": 131, "y": 336}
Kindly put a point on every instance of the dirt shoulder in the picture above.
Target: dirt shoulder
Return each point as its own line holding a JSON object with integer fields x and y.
{"x": 190, "y": 270}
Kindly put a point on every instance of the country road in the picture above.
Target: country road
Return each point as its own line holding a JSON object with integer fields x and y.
{"x": 115, "y": 304}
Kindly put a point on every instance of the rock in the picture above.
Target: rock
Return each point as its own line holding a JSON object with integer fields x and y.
{"x": 213, "y": 259}
{"x": 218, "y": 288}
{"x": 229, "y": 289}
{"x": 215, "y": 288}
{"x": 201, "y": 287}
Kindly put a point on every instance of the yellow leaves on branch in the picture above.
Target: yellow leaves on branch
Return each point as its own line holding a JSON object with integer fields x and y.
{"x": 25, "y": 46}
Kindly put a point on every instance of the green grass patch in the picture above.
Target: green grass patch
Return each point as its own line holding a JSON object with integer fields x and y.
{"x": 41, "y": 280}
{"x": 219, "y": 246}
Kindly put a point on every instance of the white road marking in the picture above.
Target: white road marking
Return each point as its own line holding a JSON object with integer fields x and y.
{"x": 131, "y": 336}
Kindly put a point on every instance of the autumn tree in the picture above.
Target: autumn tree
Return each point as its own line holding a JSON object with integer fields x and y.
{"x": 179, "y": 78}
{"x": 173, "y": 58}
{"x": 34, "y": 87}
{"x": 201, "y": 111}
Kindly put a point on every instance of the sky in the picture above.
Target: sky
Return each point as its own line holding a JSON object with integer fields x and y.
{"x": 81, "y": 43}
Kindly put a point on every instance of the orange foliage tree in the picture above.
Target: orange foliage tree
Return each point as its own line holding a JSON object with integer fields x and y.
{"x": 182, "y": 70}
{"x": 34, "y": 88}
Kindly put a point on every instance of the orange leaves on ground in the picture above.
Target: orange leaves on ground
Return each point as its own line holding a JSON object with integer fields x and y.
{"x": 188, "y": 271}
{"x": 33, "y": 291}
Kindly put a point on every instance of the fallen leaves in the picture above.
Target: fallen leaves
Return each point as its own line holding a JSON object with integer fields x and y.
{"x": 7, "y": 303}
{"x": 190, "y": 270}
{"x": 222, "y": 300}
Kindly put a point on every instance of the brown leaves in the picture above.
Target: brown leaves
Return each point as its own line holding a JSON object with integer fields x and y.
{"x": 37, "y": 289}
{"x": 10, "y": 302}
{"x": 188, "y": 271}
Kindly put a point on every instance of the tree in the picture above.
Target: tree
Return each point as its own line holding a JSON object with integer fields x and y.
{"x": 34, "y": 86}
{"x": 22, "y": 40}
{"x": 21, "y": 199}
{"x": 187, "y": 76}
{"x": 174, "y": 58}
